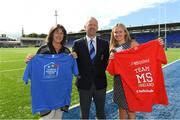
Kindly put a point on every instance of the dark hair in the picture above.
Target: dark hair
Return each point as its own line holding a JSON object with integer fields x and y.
{"x": 49, "y": 38}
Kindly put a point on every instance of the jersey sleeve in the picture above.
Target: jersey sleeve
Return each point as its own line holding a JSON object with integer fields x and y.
{"x": 75, "y": 67}
{"x": 110, "y": 68}
{"x": 27, "y": 72}
{"x": 161, "y": 56}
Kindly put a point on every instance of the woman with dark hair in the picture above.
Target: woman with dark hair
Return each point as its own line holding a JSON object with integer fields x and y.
{"x": 55, "y": 45}
{"x": 56, "y": 40}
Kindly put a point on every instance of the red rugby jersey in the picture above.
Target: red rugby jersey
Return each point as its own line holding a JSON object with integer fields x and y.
{"x": 141, "y": 73}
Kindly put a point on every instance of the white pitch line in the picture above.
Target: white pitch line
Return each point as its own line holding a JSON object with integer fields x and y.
{"x": 171, "y": 63}
{"x": 11, "y": 61}
{"x": 11, "y": 70}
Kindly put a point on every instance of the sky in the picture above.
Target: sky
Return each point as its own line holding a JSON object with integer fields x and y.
{"x": 38, "y": 16}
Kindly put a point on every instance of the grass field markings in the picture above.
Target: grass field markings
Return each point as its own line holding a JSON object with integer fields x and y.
{"x": 19, "y": 79}
{"x": 16, "y": 79}
{"x": 11, "y": 70}
{"x": 74, "y": 106}
{"x": 12, "y": 61}
{"x": 109, "y": 91}
{"x": 171, "y": 63}
{"x": 14, "y": 52}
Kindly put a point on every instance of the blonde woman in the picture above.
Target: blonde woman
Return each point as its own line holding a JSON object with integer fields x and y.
{"x": 120, "y": 40}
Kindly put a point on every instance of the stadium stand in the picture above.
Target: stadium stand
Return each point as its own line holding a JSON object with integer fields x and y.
{"x": 6, "y": 42}
{"x": 173, "y": 39}
{"x": 29, "y": 41}
{"x": 142, "y": 34}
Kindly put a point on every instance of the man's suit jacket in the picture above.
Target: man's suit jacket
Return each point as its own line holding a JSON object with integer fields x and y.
{"x": 91, "y": 72}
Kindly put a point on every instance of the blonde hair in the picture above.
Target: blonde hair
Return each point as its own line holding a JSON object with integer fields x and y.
{"x": 113, "y": 41}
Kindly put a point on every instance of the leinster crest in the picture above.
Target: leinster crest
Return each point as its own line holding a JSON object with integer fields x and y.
{"x": 51, "y": 70}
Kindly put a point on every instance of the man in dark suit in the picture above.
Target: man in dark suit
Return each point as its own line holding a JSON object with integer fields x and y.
{"x": 92, "y": 57}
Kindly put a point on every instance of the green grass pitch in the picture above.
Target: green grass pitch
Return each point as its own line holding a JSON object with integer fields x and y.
{"x": 15, "y": 101}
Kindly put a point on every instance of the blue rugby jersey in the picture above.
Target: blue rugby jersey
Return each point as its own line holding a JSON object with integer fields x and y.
{"x": 51, "y": 80}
